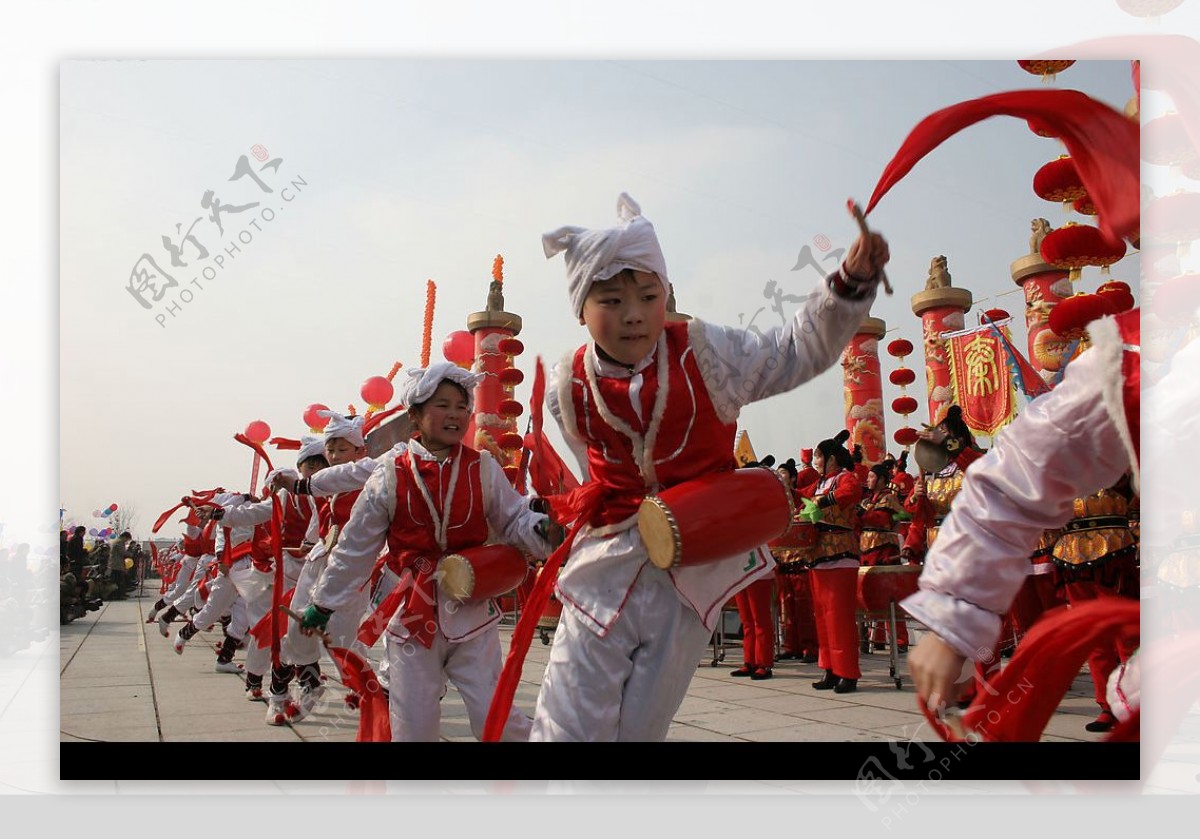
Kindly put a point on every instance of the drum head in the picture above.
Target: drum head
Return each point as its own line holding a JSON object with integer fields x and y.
{"x": 659, "y": 533}
{"x": 930, "y": 457}
{"x": 457, "y": 577}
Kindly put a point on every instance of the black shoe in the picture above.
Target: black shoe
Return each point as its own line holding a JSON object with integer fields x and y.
{"x": 845, "y": 686}
{"x": 762, "y": 674}
{"x": 865, "y": 647}
{"x": 880, "y": 646}
{"x": 744, "y": 671}
{"x": 809, "y": 659}
{"x": 1104, "y": 723}
{"x": 827, "y": 683}
{"x": 901, "y": 649}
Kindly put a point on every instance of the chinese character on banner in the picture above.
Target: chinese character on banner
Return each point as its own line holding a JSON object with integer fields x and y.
{"x": 982, "y": 380}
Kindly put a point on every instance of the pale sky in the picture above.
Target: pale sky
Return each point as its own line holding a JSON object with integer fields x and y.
{"x": 408, "y": 170}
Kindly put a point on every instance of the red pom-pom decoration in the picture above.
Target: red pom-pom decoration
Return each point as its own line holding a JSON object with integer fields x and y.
{"x": 257, "y": 431}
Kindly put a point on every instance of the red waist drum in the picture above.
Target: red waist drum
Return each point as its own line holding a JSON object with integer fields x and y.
{"x": 799, "y": 535}
{"x": 879, "y": 585}
{"x": 714, "y": 517}
{"x": 483, "y": 572}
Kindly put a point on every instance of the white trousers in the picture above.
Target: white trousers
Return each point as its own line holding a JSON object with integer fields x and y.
{"x": 189, "y": 596}
{"x": 299, "y": 649}
{"x": 418, "y": 676}
{"x": 627, "y": 685}
{"x": 183, "y": 580}
{"x": 256, "y": 592}
{"x": 222, "y": 595}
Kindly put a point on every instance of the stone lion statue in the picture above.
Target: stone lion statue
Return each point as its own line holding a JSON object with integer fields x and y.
{"x": 495, "y": 298}
{"x": 939, "y": 276}
{"x": 1040, "y": 228}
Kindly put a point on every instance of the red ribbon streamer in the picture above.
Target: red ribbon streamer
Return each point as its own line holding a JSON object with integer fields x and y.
{"x": 1103, "y": 144}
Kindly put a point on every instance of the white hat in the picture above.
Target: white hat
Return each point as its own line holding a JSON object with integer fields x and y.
{"x": 348, "y": 428}
{"x": 310, "y": 446}
{"x": 422, "y": 382}
{"x": 593, "y": 255}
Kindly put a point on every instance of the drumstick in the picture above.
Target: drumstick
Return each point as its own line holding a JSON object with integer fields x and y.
{"x": 321, "y": 634}
{"x": 861, "y": 218}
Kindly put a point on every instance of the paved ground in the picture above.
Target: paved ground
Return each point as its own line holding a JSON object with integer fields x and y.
{"x": 121, "y": 681}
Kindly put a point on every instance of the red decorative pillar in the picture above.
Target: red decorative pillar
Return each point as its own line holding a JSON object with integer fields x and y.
{"x": 496, "y": 409}
{"x": 864, "y": 390}
{"x": 1043, "y": 285}
{"x": 940, "y": 310}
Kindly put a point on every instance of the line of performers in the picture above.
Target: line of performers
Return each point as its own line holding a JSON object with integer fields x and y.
{"x": 851, "y": 517}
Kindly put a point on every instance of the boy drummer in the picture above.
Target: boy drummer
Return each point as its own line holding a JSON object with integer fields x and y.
{"x": 647, "y": 405}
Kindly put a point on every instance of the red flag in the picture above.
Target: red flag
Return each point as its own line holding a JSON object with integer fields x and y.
{"x": 547, "y": 472}
{"x": 1102, "y": 142}
{"x": 373, "y": 721}
{"x": 981, "y": 380}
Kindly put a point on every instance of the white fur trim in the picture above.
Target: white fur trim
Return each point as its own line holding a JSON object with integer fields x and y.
{"x": 566, "y": 405}
{"x": 1107, "y": 343}
{"x": 698, "y": 340}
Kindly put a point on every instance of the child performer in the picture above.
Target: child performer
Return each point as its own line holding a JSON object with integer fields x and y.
{"x": 647, "y": 405}
{"x": 436, "y": 497}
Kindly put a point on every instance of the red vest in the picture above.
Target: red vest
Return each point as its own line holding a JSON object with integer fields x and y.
{"x": 206, "y": 543}
{"x": 335, "y": 512}
{"x": 296, "y": 514}
{"x": 412, "y": 539}
{"x": 691, "y": 440}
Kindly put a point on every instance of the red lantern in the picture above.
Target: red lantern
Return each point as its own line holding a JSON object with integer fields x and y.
{"x": 996, "y": 315}
{"x": 312, "y": 418}
{"x": 1148, "y": 8}
{"x": 1165, "y": 142}
{"x": 511, "y": 346}
{"x": 376, "y": 391}
{"x": 1073, "y": 246}
{"x": 1084, "y": 206}
{"x": 906, "y": 436}
{"x": 511, "y": 377}
{"x": 1118, "y": 295}
{"x": 1058, "y": 180}
{"x": 904, "y": 405}
{"x": 459, "y": 348}
{"x": 900, "y": 348}
{"x": 257, "y": 431}
{"x": 1177, "y": 298}
{"x": 1047, "y": 69}
{"x": 511, "y": 408}
{"x": 511, "y": 441}
{"x": 1070, "y": 318}
{"x": 902, "y": 377}
{"x": 1174, "y": 219}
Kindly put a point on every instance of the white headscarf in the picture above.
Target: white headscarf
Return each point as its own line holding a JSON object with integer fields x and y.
{"x": 348, "y": 428}
{"x": 422, "y": 382}
{"x": 310, "y": 445}
{"x": 593, "y": 255}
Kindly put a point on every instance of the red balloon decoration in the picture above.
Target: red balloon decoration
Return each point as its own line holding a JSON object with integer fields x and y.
{"x": 312, "y": 418}
{"x": 113, "y": 507}
{"x": 904, "y": 405}
{"x": 459, "y": 348}
{"x": 1073, "y": 246}
{"x": 257, "y": 431}
{"x": 906, "y": 436}
{"x": 902, "y": 377}
{"x": 900, "y": 347}
{"x": 376, "y": 391}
